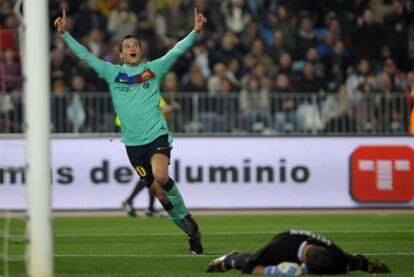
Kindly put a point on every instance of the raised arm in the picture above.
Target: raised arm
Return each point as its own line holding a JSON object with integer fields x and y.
{"x": 101, "y": 67}
{"x": 163, "y": 64}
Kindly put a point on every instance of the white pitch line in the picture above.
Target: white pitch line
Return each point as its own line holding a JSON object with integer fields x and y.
{"x": 134, "y": 255}
{"x": 138, "y": 234}
{"x": 389, "y": 254}
{"x": 190, "y": 256}
{"x": 21, "y": 257}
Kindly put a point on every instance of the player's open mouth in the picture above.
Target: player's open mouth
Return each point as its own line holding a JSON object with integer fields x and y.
{"x": 133, "y": 55}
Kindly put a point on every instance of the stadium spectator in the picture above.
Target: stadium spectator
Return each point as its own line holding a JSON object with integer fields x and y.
{"x": 313, "y": 57}
{"x": 201, "y": 58}
{"x": 325, "y": 45}
{"x": 335, "y": 28}
{"x": 10, "y": 72}
{"x": 94, "y": 42}
{"x": 389, "y": 109}
{"x": 234, "y": 73}
{"x": 155, "y": 21}
{"x": 176, "y": 19}
{"x": 58, "y": 106}
{"x": 76, "y": 111}
{"x": 336, "y": 112}
{"x": 8, "y": 33}
{"x": 308, "y": 84}
{"x": 121, "y": 21}
{"x": 284, "y": 105}
{"x": 285, "y": 65}
{"x": 396, "y": 24}
{"x": 249, "y": 35}
{"x": 255, "y": 106}
{"x": 307, "y": 81}
{"x": 6, "y": 9}
{"x": 214, "y": 82}
{"x": 89, "y": 17}
{"x": 397, "y": 77}
{"x": 214, "y": 111}
{"x": 284, "y": 22}
{"x": 361, "y": 75}
{"x": 59, "y": 66}
{"x": 278, "y": 47}
{"x": 306, "y": 37}
{"x": 258, "y": 71}
{"x": 257, "y": 55}
{"x": 305, "y": 252}
{"x": 227, "y": 49}
{"x": 236, "y": 17}
{"x": 368, "y": 37}
{"x": 194, "y": 81}
{"x": 364, "y": 108}
{"x": 337, "y": 64}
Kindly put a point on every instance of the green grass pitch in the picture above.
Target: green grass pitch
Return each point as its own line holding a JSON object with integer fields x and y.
{"x": 122, "y": 246}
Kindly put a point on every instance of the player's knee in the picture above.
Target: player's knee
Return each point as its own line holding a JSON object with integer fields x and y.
{"x": 161, "y": 177}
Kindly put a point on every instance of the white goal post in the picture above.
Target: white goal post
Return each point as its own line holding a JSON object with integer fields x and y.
{"x": 37, "y": 112}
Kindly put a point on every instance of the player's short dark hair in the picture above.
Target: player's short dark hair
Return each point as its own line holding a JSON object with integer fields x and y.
{"x": 127, "y": 37}
{"x": 320, "y": 261}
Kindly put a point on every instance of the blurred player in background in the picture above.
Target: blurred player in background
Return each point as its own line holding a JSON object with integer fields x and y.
{"x": 135, "y": 91}
{"x": 297, "y": 252}
{"x": 128, "y": 204}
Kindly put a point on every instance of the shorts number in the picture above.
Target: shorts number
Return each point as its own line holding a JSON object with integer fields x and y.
{"x": 141, "y": 171}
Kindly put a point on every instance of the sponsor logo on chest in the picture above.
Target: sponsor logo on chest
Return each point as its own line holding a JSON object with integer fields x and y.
{"x": 125, "y": 83}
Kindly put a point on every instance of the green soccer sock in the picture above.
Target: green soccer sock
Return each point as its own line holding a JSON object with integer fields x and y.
{"x": 178, "y": 211}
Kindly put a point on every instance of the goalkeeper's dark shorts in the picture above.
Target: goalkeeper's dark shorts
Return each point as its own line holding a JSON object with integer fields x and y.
{"x": 140, "y": 157}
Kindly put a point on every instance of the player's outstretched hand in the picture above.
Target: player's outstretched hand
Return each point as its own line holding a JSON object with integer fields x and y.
{"x": 199, "y": 20}
{"x": 60, "y": 23}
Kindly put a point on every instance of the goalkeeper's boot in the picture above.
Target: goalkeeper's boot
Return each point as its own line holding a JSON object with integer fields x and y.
{"x": 129, "y": 209}
{"x": 375, "y": 265}
{"x": 219, "y": 264}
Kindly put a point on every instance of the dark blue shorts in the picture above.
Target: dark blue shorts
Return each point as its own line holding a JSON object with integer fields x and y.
{"x": 140, "y": 157}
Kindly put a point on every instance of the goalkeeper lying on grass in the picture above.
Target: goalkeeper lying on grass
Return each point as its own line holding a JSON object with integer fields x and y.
{"x": 297, "y": 252}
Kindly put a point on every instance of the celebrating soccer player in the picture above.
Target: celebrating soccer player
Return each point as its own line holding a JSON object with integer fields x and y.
{"x": 135, "y": 91}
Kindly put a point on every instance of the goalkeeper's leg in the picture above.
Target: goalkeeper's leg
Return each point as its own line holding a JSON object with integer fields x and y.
{"x": 232, "y": 260}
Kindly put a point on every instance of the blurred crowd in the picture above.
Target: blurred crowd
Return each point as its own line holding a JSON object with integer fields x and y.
{"x": 354, "y": 50}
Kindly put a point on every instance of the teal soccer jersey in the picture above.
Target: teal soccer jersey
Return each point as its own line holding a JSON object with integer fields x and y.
{"x": 135, "y": 90}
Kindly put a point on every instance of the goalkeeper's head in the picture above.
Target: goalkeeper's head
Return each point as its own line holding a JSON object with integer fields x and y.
{"x": 319, "y": 260}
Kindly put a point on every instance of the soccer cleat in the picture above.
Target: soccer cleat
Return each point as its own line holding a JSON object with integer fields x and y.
{"x": 218, "y": 264}
{"x": 377, "y": 266}
{"x": 195, "y": 244}
{"x": 129, "y": 209}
